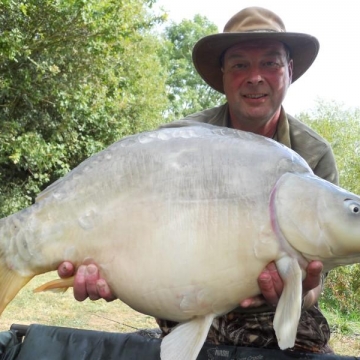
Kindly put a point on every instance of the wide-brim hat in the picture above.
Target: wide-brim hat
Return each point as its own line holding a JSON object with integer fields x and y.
{"x": 251, "y": 24}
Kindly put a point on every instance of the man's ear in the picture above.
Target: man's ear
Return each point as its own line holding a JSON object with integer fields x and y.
{"x": 290, "y": 69}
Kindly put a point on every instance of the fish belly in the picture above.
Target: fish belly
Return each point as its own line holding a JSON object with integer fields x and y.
{"x": 199, "y": 261}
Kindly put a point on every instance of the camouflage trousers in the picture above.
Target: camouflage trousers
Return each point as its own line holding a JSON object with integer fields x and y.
{"x": 256, "y": 330}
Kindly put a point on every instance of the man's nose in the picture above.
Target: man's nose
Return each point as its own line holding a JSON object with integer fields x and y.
{"x": 254, "y": 76}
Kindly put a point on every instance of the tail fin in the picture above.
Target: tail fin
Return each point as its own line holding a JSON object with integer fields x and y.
{"x": 10, "y": 284}
{"x": 58, "y": 285}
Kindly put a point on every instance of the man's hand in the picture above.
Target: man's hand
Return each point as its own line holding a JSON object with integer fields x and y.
{"x": 271, "y": 286}
{"x": 87, "y": 282}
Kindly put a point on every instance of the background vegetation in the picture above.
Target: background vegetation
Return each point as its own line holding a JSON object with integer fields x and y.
{"x": 341, "y": 127}
{"x": 76, "y": 75}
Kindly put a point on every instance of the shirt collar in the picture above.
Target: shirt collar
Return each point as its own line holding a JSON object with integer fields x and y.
{"x": 282, "y": 134}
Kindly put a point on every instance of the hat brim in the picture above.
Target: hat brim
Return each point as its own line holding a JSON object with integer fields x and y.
{"x": 208, "y": 50}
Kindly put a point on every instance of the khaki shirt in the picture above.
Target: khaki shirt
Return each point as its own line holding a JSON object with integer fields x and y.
{"x": 290, "y": 132}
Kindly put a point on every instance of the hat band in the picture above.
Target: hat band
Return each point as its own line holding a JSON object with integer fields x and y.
{"x": 263, "y": 30}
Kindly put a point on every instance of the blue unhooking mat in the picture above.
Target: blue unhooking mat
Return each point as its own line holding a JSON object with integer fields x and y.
{"x": 40, "y": 342}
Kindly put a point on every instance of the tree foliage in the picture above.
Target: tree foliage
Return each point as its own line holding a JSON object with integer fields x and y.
{"x": 75, "y": 75}
{"x": 341, "y": 127}
{"x": 186, "y": 90}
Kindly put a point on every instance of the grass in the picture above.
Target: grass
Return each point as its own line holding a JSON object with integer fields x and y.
{"x": 345, "y": 333}
{"x": 62, "y": 310}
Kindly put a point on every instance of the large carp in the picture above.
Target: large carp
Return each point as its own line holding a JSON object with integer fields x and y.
{"x": 181, "y": 221}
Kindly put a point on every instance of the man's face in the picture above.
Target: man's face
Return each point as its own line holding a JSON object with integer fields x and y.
{"x": 256, "y": 76}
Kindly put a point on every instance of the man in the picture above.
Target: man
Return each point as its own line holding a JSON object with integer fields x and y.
{"x": 253, "y": 62}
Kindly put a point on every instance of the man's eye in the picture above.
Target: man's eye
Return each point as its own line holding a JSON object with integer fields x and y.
{"x": 271, "y": 64}
{"x": 239, "y": 66}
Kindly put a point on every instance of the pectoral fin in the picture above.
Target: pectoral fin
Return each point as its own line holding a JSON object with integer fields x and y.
{"x": 58, "y": 285}
{"x": 186, "y": 340}
{"x": 288, "y": 310}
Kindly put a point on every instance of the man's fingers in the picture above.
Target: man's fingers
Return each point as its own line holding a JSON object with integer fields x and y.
{"x": 253, "y": 302}
{"x": 276, "y": 280}
{"x": 271, "y": 284}
{"x": 79, "y": 284}
{"x": 66, "y": 269}
{"x": 104, "y": 290}
{"x": 313, "y": 276}
{"x": 85, "y": 282}
{"x": 268, "y": 289}
{"x": 92, "y": 277}
{"x": 88, "y": 284}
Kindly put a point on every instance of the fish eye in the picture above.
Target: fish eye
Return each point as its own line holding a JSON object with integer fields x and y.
{"x": 353, "y": 206}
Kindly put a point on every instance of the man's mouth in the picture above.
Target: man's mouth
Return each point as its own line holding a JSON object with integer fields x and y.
{"x": 254, "y": 96}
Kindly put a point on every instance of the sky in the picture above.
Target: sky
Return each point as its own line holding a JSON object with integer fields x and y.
{"x": 335, "y": 74}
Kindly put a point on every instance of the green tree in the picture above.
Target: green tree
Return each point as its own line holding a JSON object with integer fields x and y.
{"x": 341, "y": 127}
{"x": 75, "y": 76}
{"x": 186, "y": 90}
